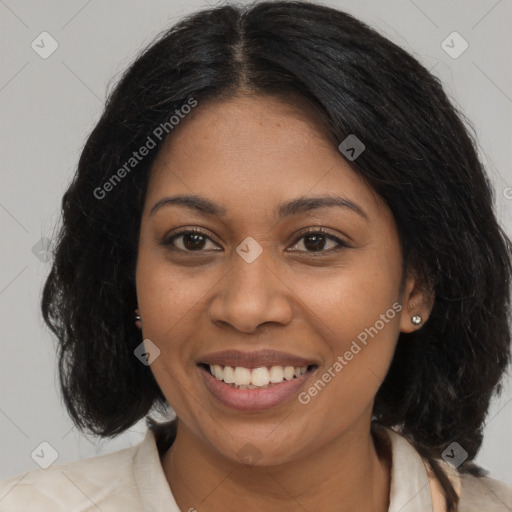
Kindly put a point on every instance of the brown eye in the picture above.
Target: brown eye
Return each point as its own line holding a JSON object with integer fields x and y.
{"x": 317, "y": 239}
{"x": 191, "y": 241}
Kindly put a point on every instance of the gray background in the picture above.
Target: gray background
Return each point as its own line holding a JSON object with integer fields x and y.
{"x": 48, "y": 107}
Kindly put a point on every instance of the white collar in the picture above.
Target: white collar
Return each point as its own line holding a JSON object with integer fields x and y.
{"x": 150, "y": 477}
{"x": 414, "y": 487}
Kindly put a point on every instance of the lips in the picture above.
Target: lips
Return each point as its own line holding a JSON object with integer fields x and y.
{"x": 256, "y": 399}
{"x": 236, "y": 367}
{"x": 256, "y": 359}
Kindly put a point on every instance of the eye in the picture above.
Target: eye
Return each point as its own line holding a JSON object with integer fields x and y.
{"x": 315, "y": 240}
{"x": 192, "y": 240}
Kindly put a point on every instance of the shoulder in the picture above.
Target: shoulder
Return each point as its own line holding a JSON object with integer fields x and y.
{"x": 484, "y": 493}
{"x": 105, "y": 482}
{"x": 477, "y": 494}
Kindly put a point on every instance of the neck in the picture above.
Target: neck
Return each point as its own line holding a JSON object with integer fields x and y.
{"x": 346, "y": 474}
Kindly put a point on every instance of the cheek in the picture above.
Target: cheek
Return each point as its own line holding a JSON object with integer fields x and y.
{"x": 166, "y": 303}
{"x": 352, "y": 298}
{"x": 167, "y": 295}
{"x": 173, "y": 302}
{"x": 357, "y": 313}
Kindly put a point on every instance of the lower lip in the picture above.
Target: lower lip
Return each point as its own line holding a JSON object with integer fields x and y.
{"x": 254, "y": 399}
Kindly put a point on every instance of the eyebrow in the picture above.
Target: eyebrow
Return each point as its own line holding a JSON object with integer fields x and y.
{"x": 294, "y": 207}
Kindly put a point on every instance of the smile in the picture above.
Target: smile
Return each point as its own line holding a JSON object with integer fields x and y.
{"x": 274, "y": 386}
{"x": 239, "y": 377}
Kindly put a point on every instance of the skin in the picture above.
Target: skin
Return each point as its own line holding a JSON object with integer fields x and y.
{"x": 249, "y": 154}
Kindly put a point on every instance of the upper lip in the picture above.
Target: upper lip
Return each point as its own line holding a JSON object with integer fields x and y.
{"x": 254, "y": 359}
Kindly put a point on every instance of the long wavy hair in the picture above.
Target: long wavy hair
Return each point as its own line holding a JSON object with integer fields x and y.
{"x": 420, "y": 158}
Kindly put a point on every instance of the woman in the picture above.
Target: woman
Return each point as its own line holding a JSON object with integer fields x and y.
{"x": 280, "y": 229}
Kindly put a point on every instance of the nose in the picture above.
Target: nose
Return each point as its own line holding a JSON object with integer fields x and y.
{"x": 252, "y": 294}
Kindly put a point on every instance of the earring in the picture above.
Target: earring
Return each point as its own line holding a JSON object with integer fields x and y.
{"x": 138, "y": 319}
{"x": 416, "y": 319}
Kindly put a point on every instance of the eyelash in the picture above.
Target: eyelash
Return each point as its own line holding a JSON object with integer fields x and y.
{"x": 315, "y": 230}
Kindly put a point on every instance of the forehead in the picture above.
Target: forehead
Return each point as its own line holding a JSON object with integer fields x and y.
{"x": 255, "y": 151}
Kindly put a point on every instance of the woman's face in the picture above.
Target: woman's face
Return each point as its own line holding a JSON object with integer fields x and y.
{"x": 254, "y": 281}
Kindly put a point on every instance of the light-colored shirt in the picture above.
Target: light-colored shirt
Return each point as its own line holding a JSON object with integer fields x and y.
{"x": 133, "y": 479}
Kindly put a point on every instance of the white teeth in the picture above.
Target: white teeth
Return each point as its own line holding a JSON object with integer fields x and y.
{"x": 276, "y": 374}
{"x": 262, "y": 377}
{"x": 217, "y": 371}
{"x": 242, "y": 376}
{"x": 289, "y": 372}
{"x": 229, "y": 375}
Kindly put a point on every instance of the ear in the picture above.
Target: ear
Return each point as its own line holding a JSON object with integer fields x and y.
{"x": 417, "y": 300}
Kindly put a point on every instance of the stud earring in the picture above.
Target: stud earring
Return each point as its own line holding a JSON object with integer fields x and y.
{"x": 416, "y": 319}
{"x": 138, "y": 319}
